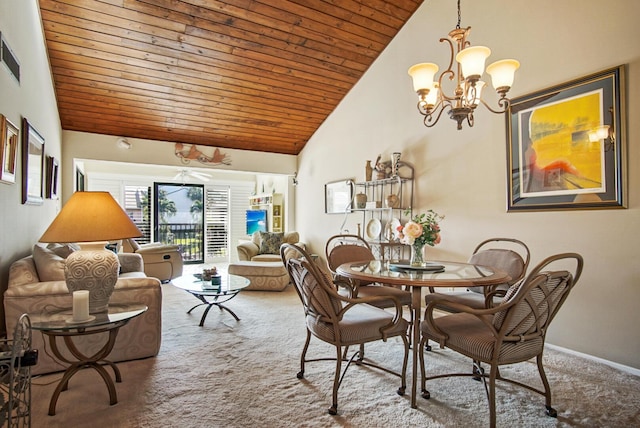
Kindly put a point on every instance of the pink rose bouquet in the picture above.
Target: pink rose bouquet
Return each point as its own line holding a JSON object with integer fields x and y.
{"x": 422, "y": 229}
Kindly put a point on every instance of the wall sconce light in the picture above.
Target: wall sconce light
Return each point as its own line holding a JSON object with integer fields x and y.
{"x": 606, "y": 133}
{"x": 294, "y": 179}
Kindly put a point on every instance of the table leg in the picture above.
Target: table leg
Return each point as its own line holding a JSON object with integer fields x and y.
{"x": 416, "y": 304}
{"x": 209, "y": 304}
{"x": 84, "y": 361}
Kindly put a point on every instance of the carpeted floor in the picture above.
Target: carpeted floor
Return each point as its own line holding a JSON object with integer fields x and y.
{"x": 243, "y": 374}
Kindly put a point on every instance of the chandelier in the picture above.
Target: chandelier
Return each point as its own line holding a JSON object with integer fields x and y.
{"x": 470, "y": 60}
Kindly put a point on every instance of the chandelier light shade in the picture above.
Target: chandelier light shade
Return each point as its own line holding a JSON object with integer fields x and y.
{"x": 466, "y": 72}
{"x": 92, "y": 218}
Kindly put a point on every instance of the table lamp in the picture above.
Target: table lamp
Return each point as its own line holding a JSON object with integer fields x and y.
{"x": 91, "y": 219}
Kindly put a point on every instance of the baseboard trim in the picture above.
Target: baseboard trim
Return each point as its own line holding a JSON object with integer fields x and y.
{"x": 621, "y": 367}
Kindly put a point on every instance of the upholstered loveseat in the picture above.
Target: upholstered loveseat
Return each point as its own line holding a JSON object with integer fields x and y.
{"x": 36, "y": 283}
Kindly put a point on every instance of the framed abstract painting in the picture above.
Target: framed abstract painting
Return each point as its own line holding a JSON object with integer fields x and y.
{"x": 566, "y": 145}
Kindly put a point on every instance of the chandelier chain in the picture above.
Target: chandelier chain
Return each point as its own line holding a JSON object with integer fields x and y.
{"x": 459, "y": 16}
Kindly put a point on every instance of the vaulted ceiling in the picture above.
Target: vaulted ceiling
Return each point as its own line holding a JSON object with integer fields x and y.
{"x": 244, "y": 74}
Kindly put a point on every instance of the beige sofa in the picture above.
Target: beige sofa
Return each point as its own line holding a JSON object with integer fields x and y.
{"x": 37, "y": 284}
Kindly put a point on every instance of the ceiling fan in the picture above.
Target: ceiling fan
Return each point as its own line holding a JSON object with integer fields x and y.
{"x": 184, "y": 175}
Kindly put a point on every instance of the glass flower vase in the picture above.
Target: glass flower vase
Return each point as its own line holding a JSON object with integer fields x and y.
{"x": 417, "y": 256}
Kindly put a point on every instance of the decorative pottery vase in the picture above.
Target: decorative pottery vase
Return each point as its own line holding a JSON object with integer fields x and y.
{"x": 417, "y": 255}
{"x": 391, "y": 201}
{"x": 395, "y": 163}
{"x": 368, "y": 171}
{"x": 361, "y": 200}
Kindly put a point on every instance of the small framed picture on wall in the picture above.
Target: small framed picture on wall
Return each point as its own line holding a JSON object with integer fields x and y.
{"x": 32, "y": 164}
{"x": 9, "y": 139}
{"x": 52, "y": 178}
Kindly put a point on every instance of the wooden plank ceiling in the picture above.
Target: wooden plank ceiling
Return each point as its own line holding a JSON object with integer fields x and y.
{"x": 245, "y": 74}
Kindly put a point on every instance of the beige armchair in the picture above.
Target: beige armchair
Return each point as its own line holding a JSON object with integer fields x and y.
{"x": 162, "y": 261}
{"x": 265, "y": 246}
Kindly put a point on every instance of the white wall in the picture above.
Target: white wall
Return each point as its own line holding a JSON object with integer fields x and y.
{"x": 269, "y": 171}
{"x": 33, "y": 98}
{"x": 462, "y": 174}
{"x": 82, "y": 145}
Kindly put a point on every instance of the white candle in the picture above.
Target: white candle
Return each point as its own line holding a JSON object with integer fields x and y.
{"x": 80, "y": 305}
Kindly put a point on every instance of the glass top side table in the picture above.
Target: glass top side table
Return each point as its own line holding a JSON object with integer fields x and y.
{"x": 57, "y": 322}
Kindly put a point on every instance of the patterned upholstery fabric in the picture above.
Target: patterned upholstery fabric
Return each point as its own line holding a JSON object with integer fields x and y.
{"x": 506, "y": 260}
{"x": 513, "y": 262}
{"x": 50, "y": 265}
{"x": 349, "y": 251}
{"x": 470, "y": 335}
{"x": 264, "y": 276}
{"x": 512, "y": 332}
{"x": 250, "y": 250}
{"x": 361, "y": 323}
{"x": 337, "y": 320}
{"x": 63, "y": 250}
{"x": 521, "y": 320}
{"x": 270, "y": 242}
{"x": 140, "y": 338}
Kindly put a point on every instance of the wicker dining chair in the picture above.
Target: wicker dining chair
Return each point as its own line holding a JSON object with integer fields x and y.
{"x": 507, "y": 254}
{"x": 346, "y": 248}
{"x": 341, "y": 321}
{"x": 513, "y": 331}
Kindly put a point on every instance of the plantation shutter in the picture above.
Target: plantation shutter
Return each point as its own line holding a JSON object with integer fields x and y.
{"x": 216, "y": 223}
{"x": 240, "y": 193}
{"x": 137, "y": 204}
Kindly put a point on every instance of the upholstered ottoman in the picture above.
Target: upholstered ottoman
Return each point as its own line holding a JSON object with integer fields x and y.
{"x": 266, "y": 276}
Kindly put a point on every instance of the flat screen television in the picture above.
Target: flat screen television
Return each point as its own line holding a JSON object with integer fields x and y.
{"x": 256, "y": 221}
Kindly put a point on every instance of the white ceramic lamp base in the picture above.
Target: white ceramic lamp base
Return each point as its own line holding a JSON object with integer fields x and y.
{"x": 94, "y": 270}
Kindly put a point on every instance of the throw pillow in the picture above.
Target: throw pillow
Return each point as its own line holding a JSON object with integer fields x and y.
{"x": 63, "y": 250}
{"x": 49, "y": 265}
{"x": 271, "y": 242}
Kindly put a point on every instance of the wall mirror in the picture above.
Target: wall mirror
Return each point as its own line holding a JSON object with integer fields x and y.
{"x": 32, "y": 164}
{"x": 338, "y": 197}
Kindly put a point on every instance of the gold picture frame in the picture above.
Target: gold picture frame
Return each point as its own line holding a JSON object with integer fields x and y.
{"x": 10, "y": 136}
{"x": 32, "y": 165}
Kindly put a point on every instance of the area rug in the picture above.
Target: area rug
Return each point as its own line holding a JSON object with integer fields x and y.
{"x": 232, "y": 373}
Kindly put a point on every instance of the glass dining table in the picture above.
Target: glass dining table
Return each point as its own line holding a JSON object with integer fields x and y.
{"x": 434, "y": 274}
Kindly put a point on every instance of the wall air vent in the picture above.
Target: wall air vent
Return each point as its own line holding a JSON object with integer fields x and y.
{"x": 9, "y": 59}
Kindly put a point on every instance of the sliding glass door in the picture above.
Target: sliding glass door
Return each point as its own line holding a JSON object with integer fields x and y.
{"x": 179, "y": 219}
